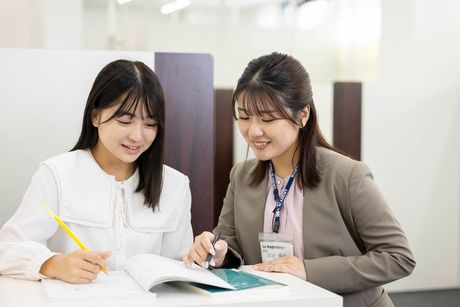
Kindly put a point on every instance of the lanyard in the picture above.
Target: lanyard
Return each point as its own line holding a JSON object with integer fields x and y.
{"x": 279, "y": 201}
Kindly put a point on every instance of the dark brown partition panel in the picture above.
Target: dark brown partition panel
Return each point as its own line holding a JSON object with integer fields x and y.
{"x": 347, "y": 118}
{"x": 187, "y": 80}
{"x": 199, "y": 135}
{"x": 224, "y": 146}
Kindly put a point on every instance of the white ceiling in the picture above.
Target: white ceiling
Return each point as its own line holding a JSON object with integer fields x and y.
{"x": 196, "y": 3}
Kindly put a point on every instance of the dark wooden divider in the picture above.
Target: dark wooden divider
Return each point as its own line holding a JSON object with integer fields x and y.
{"x": 198, "y": 140}
{"x": 224, "y": 146}
{"x": 347, "y": 118}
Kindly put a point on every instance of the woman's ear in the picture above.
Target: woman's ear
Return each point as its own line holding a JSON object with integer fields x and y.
{"x": 95, "y": 120}
{"x": 304, "y": 115}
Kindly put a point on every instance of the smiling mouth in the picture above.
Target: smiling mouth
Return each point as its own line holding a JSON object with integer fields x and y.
{"x": 260, "y": 145}
{"x": 131, "y": 148}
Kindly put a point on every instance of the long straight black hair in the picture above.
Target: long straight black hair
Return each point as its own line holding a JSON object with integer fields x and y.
{"x": 130, "y": 84}
{"x": 279, "y": 82}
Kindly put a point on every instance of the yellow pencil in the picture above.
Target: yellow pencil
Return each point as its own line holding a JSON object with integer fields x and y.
{"x": 69, "y": 232}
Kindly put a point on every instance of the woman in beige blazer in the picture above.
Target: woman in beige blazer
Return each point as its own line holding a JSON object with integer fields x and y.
{"x": 345, "y": 237}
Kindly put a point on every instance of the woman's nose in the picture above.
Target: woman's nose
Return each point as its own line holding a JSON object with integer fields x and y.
{"x": 136, "y": 131}
{"x": 254, "y": 128}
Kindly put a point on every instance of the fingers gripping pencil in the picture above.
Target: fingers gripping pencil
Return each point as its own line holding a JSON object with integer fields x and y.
{"x": 69, "y": 232}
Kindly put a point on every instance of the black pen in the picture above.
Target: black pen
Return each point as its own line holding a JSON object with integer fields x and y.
{"x": 209, "y": 256}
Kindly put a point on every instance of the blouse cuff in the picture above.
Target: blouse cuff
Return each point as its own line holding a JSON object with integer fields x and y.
{"x": 33, "y": 270}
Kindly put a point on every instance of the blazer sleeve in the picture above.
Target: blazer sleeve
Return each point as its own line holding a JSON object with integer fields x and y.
{"x": 226, "y": 226}
{"x": 386, "y": 256}
{"x": 23, "y": 238}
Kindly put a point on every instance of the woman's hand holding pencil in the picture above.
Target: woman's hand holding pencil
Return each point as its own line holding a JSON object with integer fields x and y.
{"x": 77, "y": 267}
{"x": 80, "y": 266}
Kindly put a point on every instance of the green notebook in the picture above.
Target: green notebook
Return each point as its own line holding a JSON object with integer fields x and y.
{"x": 241, "y": 281}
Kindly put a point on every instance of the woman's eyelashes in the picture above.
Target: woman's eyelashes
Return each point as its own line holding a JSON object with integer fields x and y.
{"x": 151, "y": 125}
{"x": 265, "y": 119}
{"x": 127, "y": 120}
{"x": 124, "y": 122}
{"x": 268, "y": 119}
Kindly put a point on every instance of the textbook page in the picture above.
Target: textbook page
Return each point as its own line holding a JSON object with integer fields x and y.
{"x": 150, "y": 270}
{"x": 117, "y": 285}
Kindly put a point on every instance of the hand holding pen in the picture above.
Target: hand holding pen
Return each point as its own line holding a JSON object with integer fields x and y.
{"x": 79, "y": 266}
{"x": 207, "y": 250}
{"x": 209, "y": 256}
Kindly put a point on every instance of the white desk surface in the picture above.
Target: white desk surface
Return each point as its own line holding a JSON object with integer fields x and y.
{"x": 18, "y": 293}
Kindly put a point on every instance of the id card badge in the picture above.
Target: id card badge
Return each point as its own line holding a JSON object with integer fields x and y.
{"x": 276, "y": 245}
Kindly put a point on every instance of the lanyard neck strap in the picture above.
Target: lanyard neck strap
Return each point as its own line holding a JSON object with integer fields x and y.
{"x": 280, "y": 200}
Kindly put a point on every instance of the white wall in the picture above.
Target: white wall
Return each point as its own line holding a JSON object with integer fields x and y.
{"x": 43, "y": 97}
{"x": 41, "y": 24}
{"x": 420, "y": 44}
{"x": 411, "y": 141}
{"x": 420, "y": 41}
{"x": 18, "y": 15}
{"x": 61, "y": 23}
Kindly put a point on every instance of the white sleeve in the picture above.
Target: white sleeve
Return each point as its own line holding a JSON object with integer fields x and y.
{"x": 176, "y": 244}
{"x": 23, "y": 237}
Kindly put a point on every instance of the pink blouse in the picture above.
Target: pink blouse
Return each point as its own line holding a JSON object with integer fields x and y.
{"x": 290, "y": 215}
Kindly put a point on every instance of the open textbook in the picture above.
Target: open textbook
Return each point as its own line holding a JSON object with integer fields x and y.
{"x": 145, "y": 271}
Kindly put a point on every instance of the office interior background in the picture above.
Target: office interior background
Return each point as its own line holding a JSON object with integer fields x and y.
{"x": 405, "y": 53}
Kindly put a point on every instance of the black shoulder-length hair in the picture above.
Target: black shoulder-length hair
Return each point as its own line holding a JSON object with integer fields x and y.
{"x": 130, "y": 84}
{"x": 279, "y": 82}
